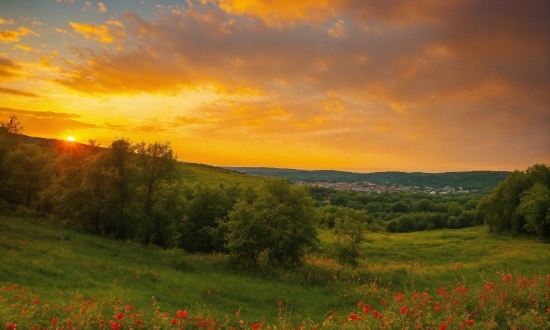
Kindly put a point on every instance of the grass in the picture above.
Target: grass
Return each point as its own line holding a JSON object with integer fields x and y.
{"x": 59, "y": 262}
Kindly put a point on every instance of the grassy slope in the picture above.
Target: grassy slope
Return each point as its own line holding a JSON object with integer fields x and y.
{"x": 50, "y": 260}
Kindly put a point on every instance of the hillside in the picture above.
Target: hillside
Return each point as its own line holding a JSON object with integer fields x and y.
{"x": 472, "y": 180}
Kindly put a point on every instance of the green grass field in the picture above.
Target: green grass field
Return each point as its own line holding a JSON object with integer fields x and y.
{"x": 56, "y": 263}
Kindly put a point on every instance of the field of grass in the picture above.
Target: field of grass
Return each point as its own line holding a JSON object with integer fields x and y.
{"x": 58, "y": 263}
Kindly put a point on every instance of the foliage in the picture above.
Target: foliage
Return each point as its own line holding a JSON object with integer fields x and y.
{"x": 520, "y": 203}
{"x": 273, "y": 228}
{"x": 348, "y": 238}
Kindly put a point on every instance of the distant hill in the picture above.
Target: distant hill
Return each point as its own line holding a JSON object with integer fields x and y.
{"x": 472, "y": 180}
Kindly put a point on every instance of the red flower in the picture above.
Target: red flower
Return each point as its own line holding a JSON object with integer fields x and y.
{"x": 54, "y": 321}
{"x": 366, "y": 309}
{"x": 11, "y": 326}
{"x": 128, "y": 307}
{"x": 442, "y": 326}
{"x": 470, "y": 322}
{"x": 404, "y": 310}
{"x": 101, "y": 323}
{"x": 352, "y": 316}
{"x": 115, "y": 325}
{"x": 119, "y": 316}
{"x": 181, "y": 314}
{"x": 36, "y": 300}
{"x": 174, "y": 321}
{"x": 256, "y": 326}
{"x": 437, "y": 306}
{"x": 508, "y": 277}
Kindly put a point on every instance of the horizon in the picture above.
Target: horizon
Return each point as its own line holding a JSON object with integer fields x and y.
{"x": 362, "y": 87}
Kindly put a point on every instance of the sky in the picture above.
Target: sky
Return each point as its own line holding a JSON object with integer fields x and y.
{"x": 355, "y": 85}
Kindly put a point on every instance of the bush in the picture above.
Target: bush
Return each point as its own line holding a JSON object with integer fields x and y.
{"x": 275, "y": 227}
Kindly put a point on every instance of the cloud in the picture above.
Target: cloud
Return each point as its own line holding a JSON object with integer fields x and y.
{"x": 278, "y": 12}
{"x": 101, "y": 8}
{"x": 17, "y": 92}
{"x": 46, "y": 123}
{"x": 101, "y": 33}
{"x": 398, "y": 74}
{"x": 8, "y": 22}
{"x": 8, "y": 69}
{"x": 15, "y": 35}
{"x": 26, "y": 48}
{"x": 338, "y": 30}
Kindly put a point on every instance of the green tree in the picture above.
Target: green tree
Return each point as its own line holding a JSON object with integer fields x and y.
{"x": 348, "y": 234}
{"x": 9, "y": 138}
{"x": 157, "y": 167}
{"x": 535, "y": 208}
{"x": 274, "y": 228}
{"x": 30, "y": 170}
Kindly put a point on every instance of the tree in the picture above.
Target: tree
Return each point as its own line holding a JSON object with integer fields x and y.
{"x": 274, "y": 228}
{"x": 535, "y": 208}
{"x": 30, "y": 170}
{"x": 348, "y": 239}
{"x": 501, "y": 209}
{"x": 208, "y": 206}
{"x": 156, "y": 163}
{"x": 9, "y": 138}
{"x": 121, "y": 172}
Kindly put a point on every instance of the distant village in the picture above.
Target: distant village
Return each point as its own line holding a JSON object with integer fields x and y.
{"x": 370, "y": 187}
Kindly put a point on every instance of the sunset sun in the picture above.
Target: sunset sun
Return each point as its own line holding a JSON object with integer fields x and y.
{"x": 70, "y": 138}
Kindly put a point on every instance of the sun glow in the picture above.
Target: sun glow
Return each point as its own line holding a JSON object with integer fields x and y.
{"x": 70, "y": 138}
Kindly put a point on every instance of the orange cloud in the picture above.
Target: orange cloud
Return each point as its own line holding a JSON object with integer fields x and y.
{"x": 46, "y": 123}
{"x": 278, "y": 12}
{"x": 16, "y": 92}
{"x": 8, "y": 69}
{"x": 101, "y": 33}
{"x": 27, "y": 48}
{"x": 15, "y": 35}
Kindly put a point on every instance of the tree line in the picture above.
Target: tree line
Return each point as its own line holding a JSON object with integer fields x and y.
{"x": 135, "y": 192}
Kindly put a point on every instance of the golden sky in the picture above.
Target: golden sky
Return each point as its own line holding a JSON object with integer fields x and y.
{"x": 360, "y": 85}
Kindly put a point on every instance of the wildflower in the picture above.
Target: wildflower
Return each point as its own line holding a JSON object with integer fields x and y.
{"x": 508, "y": 277}
{"x": 470, "y": 322}
{"x": 181, "y": 314}
{"x": 11, "y": 326}
{"x": 366, "y": 309}
{"x": 437, "y": 307}
{"x": 114, "y": 325}
{"x": 352, "y": 316}
{"x": 256, "y": 326}
{"x": 174, "y": 321}
{"x": 53, "y": 321}
{"x": 101, "y": 323}
{"x": 403, "y": 310}
{"x": 400, "y": 297}
{"x": 128, "y": 307}
{"x": 119, "y": 316}
{"x": 442, "y": 326}
{"x": 36, "y": 300}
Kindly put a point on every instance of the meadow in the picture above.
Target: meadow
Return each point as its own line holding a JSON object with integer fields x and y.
{"x": 62, "y": 267}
